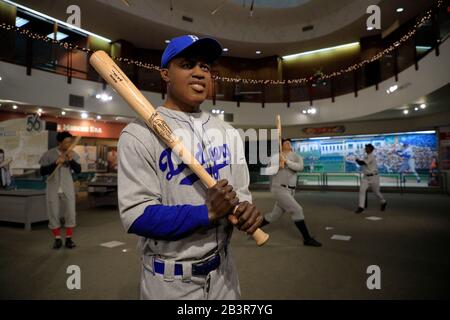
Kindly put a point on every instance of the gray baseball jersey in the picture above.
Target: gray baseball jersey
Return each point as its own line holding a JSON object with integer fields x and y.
{"x": 60, "y": 191}
{"x": 288, "y": 174}
{"x": 149, "y": 173}
{"x": 285, "y": 201}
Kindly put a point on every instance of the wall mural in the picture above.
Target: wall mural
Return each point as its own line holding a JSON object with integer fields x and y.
{"x": 409, "y": 153}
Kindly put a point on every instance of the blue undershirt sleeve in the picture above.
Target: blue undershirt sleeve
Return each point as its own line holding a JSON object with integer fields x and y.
{"x": 169, "y": 222}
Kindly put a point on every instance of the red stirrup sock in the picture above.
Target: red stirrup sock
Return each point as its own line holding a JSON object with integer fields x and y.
{"x": 69, "y": 232}
{"x": 56, "y": 233}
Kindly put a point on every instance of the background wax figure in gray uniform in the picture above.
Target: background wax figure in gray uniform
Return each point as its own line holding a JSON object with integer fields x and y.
{"x": 151, "y": 178}
{"x": 60, "y": 191}
{"x": 370, "y": 178}
{"x": 5, "y": 173}
{"x": 282, "y": 186}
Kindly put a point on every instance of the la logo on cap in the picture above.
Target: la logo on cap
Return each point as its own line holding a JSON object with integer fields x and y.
{"x": 194, "y": 38}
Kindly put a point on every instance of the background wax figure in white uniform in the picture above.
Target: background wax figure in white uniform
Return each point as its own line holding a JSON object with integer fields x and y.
{"x": 370, "y": 178}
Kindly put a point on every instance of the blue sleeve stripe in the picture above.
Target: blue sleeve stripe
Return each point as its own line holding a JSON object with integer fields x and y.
{"x": 169, "y": 222}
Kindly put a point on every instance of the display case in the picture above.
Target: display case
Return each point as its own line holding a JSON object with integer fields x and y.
{"x": 102, "y": 189}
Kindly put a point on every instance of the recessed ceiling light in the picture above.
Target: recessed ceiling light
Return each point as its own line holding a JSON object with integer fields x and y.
{"x": 15, "y": 107}
{"x": 400, "y": 9}
{"x": 423, "y": 48}
{"x": 343, "y": 46}
{"x": 392, "y": 89}
{"x": 63, "y": 113}
{"x": 84, "y": 115}
{"x": 20, "y": 22}
{"x": 99, "y": 117}
{"x": 225, "y": 49}
{"x": 59, "y": 36}
{"x": 103, "y": 97}
{"x": 405, "y": 111}
{"x": 416, "y": 109}
{"x": 423, "y": 106}
{"x": 258, "y": 52}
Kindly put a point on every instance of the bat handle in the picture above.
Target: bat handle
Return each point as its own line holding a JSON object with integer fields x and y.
{"x": 259, "y": 236}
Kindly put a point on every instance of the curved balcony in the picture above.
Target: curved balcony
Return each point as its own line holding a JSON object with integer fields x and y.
{"x": 419, "y": 65}
{"x": 36, "y": 54}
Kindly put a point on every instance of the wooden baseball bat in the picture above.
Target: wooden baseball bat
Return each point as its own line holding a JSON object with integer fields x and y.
{"x": 280, "y": 143}
{"x": 74, "y": 143}
{"x": 278, "y": 121}
{"x": 111, "y": 72}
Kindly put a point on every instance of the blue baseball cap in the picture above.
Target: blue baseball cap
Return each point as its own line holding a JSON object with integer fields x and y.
{"x": 207, "y": 47}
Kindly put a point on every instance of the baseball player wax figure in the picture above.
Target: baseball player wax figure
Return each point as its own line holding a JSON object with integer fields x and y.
{"x": 60, "y": 192}
{"x": 370, "y": 178}
{"x": 409, "y": 163}
{"x": 5, "y": 172}
{"x": 282, "y": 186}
{"x": 183, "y": 227}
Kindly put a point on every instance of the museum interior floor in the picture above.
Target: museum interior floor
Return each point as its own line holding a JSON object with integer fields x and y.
{"x": 409, "y": 244}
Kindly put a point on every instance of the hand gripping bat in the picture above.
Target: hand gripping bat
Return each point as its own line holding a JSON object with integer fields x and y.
{"x": 74, "y": 143}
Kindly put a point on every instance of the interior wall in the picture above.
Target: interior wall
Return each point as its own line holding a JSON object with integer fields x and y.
{"x": 327, "y": 62}
{"x": 406, "y": 124}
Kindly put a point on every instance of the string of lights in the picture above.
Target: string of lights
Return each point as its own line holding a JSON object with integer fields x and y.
{"x": 68, "y": 46}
